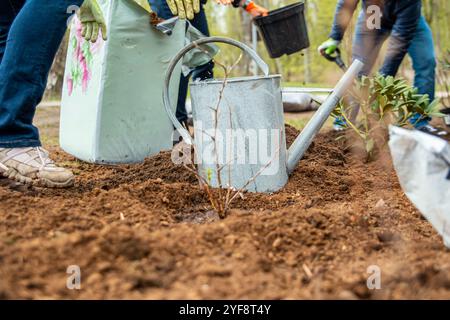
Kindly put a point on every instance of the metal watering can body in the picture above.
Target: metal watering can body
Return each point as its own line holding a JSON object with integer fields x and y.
{"x": 249, "y": 143}
{"x": 239, "y": 126}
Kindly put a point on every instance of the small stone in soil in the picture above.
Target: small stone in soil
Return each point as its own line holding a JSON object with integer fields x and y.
{"x": 380, "y": 204}
{"x": 388, "y": 236}
{"x": 201, "y": 217}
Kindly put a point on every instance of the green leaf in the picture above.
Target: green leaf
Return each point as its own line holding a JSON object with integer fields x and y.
{"x": 437, "y": 115}
{"x": 433, "y": 106}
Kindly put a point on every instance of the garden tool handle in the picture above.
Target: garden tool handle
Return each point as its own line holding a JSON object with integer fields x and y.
{"x": 336, "y": 58}
{"x": 166, "y": 96}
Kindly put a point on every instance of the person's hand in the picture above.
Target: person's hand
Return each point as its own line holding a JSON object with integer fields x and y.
{"x": 256, "y": 10}
{"x": 328, "y": 47}
{"x": 92, "y": 20}
{"x": 184, "y": 8}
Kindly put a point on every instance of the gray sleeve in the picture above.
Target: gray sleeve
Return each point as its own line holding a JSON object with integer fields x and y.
{"x": 342, "y": 17}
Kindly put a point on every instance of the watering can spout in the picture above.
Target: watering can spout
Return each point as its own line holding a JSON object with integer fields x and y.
{"x": 303, "y": 141}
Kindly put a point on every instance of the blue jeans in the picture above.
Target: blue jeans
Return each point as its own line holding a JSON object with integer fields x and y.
{"x": 398, "y": 23}
{"x": 30, "y": 34}
{"x": 420, "y": 47}
{"x": 421, "y": 51}
{"x": 423, "y": 59}
{"x": 200, "y": 73}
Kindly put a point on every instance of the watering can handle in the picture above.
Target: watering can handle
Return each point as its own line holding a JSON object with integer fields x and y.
{"x": 166, "y": 97}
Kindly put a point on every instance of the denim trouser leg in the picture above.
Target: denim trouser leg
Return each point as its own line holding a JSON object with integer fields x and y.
{"x": 202, "y": 72}
{"x": 367, "y": 43}
{"x": 8, "y": 13}
{"x": 161, "y": 8}
{"x": 33, "y": 40}
{"x": 423, "y": 58}
{"x": 407, "y": 15}
{"x": 399, "y": 21}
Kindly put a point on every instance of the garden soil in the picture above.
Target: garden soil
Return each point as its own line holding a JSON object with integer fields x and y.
{"x": 146, "y": 231}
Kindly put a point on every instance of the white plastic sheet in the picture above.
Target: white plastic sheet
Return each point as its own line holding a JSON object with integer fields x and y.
{"x": 299, "y": 102}
{"x": 422, "y": 163}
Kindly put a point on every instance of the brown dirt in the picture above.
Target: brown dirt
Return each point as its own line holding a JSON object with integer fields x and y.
{"x": 146, "y": 231}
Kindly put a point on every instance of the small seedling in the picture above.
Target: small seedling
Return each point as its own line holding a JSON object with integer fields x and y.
{"x": 221, "y": 198}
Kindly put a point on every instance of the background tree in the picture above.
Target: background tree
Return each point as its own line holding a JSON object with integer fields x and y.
{"x": 307, "y": 68}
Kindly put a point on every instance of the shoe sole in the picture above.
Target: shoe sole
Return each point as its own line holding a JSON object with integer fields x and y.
{"x": 13, "y": 174}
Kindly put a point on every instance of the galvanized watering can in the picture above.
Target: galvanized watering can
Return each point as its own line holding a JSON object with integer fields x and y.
{"x": 239, "y": 125}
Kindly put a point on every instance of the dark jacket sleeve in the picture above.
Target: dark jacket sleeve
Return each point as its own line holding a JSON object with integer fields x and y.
{"x": 342, "y": 18}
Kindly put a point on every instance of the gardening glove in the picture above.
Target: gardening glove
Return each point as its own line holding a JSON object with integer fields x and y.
{"x": 328, "y": 47}
{"x": 256, "y": 10}
{"x": 91, "y": 17}
{"x": 184, "y": 8}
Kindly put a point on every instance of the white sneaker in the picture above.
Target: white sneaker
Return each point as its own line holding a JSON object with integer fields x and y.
{"x": 447, "y": 120}
{"x": 33, "y": 166}
{"x": 432, "y": 130}
{"x": 338, "y": 127}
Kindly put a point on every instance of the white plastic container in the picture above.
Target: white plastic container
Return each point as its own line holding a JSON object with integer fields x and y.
{"x": 112, "y": 109}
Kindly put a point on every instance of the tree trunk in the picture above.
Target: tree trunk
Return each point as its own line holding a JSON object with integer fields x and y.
{"x": 56, "y": 76}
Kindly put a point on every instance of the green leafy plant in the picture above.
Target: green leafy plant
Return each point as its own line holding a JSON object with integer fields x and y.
{"x": 383, "y": 101}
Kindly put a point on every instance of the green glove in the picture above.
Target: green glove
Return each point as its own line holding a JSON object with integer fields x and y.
{"x": 91, "y": 17}
{"x": 184, "y": 8}
{"x": 328, "y": 47}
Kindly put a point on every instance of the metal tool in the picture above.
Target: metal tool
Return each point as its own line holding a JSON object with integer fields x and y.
{"x": 164, "y": 26}
{"x": 336, "y": 58}
{"x": 251, "y": 113}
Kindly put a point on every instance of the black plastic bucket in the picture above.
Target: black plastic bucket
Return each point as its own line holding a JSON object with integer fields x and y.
{"x": 284, "y": 30}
